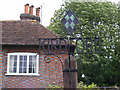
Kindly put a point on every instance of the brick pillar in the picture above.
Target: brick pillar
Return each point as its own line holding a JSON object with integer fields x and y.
{"x": 38, "y": 11}
{"x": 31, "y": 10}
{"x": 26, "y": 10}
{"x": 70, "y": 75}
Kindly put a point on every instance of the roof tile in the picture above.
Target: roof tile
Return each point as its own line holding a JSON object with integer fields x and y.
{"x": 24, "y": 32}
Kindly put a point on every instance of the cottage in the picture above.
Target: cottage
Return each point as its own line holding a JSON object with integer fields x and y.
{"x": 20, "y": 64}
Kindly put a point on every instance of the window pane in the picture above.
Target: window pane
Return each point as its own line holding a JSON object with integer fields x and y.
{"x": 25, "y": 57}
{"x": 15, "y": 70}
{"x": 24, "y": 70}
{"x": 20, "y": 65}
{"x": 34, "y": 71}
{"x": 11, "y": 57}
{"x": 30, "y": 58}
{"x": 20, "y": 70}
{"x": 30, "y": 70}
{"x": 13, "y": 64}
{"x": 32, "y": 63}
{"x": 15, "y": 58}
{"x": 23, "y": 64}
{"x": 21, "y": 58}
{"x": 34, "y": 58}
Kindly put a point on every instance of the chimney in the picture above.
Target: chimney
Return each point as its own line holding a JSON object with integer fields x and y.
{"x": 26, "y": 9}
{"x": 38, "y": 11}
{"x": 28, "y": 13}
{"x": 31, "y": 10}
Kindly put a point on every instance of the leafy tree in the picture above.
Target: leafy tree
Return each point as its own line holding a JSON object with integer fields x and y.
{"x": 96, "y": 19}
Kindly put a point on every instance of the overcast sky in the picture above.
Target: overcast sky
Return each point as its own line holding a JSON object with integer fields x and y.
{"x": 11, "y": 9}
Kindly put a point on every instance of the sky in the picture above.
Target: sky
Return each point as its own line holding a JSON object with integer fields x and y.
{"x": 11, "y": 9}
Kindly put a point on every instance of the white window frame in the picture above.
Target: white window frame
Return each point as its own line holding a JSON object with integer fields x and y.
{"x": 18, "y": 54}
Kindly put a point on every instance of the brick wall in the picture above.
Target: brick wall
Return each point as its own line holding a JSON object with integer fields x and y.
{"x": 1, "y": 68}
{"x": 0, "y": 55}
{"x": 50, "y": 72}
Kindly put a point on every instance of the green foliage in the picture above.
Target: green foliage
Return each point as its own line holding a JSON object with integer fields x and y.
{"x": 54, "y": 87}
{"x": 96, "y": 19}
{"x": 91, "y": 15}
{"x": 82, "y": 85}
{"x": 92, "y": 85}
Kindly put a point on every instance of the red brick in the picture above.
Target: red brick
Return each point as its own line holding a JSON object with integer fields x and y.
{"x": 52, "y": 71}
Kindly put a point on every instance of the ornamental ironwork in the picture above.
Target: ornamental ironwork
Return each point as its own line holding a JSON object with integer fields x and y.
{"x": 51, "y": 46}
{"x": 70, "y": 46}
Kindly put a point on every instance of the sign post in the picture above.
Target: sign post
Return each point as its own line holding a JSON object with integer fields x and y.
{"x": 70, "y": 72}
{"x": 89, "y": 45}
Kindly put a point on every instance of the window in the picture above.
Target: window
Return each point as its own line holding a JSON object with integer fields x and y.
{"x": 22, "y": 64}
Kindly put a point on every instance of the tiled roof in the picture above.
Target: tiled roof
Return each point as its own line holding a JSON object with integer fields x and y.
{"x": 23, "y": 32}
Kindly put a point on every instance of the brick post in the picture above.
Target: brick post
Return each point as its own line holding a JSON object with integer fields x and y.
{"x": 70, "y": 75}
